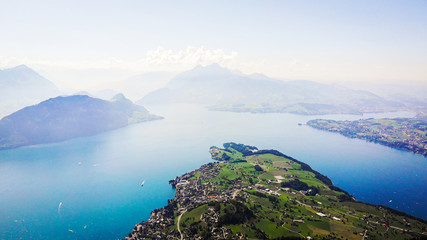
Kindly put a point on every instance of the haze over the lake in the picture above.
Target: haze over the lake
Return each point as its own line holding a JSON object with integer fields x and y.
{"x": 82, "y": 81}
{"x": 92, "y": 44}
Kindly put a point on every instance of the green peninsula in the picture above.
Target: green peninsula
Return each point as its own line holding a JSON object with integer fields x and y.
{"x": 264, "y": 194}
{"x": 403, "y": 133}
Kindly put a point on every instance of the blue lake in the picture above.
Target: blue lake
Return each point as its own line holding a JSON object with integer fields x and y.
{"x": 102, "y": 198}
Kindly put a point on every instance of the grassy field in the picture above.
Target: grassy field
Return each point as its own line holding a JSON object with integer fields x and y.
{"x": 193, "y": 215}
{"x": 273, "y": 211}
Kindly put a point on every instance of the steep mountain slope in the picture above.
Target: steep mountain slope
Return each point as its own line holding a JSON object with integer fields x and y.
{"x": 21, "y": 86}
{"x": 63, "y": 118}
{"x": 234, "y": 91}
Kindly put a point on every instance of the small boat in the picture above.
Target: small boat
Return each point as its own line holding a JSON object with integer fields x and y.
{"x": 142, "y": 184}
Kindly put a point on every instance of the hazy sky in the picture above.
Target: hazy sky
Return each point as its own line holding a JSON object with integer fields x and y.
{"x": 82, "y": 43}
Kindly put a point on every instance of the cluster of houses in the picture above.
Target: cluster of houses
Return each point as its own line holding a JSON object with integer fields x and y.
{"x": 154, "y": 227}
{"x": 191, "y": 192}
{"x": 263, "y": 189}
{"x": 412, "y": 130}
{"x": 211, "y": 218}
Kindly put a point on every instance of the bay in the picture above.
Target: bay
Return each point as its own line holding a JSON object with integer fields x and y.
{"x": 98, "y": 179}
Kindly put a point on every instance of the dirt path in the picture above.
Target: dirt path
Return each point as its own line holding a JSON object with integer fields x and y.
{"x": 292, "y": 231}
{"x": 235, "y": 193}
{"x": 177, "y": 224}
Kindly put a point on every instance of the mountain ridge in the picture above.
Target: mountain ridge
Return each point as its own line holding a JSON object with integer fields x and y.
{"x": 66, "y": 117}
{"x": 219, "y": 87}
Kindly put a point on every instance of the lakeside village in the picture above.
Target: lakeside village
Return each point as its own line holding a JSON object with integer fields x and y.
{"x": 266, "y": 196}
{"x": 403, "y": 133}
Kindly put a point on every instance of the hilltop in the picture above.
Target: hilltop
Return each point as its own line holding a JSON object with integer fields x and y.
{"x": 61, "y": 118}
{"x": 264, "y": 194}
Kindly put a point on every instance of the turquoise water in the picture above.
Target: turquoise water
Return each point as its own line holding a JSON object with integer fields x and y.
{"x": 102, "y": 197}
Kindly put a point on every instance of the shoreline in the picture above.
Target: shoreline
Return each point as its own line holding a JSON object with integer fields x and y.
{"x": 383, "y": 138}
{"x": 201, "y": 196}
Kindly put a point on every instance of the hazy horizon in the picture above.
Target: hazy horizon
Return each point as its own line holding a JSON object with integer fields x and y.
{"x": 104, "y": 104}
{"x": 83, "y": 45}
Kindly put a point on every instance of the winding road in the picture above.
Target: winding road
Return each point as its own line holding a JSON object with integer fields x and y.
{"x": 177, "y": 224}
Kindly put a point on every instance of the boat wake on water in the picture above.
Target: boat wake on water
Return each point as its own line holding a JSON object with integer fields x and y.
{"x": 59, "y": 208}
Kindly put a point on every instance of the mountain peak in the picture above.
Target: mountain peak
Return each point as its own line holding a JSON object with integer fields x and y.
{"x": 20, "y": 71}
{"x": 213, "y": 69}
{"x": 21, "y": 86}
{"x": 20, "y": 68}
{"x": 213, "y": 66}
{"x": 119, "y": 97}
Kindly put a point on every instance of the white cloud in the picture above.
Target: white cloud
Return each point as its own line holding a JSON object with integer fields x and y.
{"x": 84, "y": 73}
{"x": 189, "y": 57}
{"x": 160, "y": 59}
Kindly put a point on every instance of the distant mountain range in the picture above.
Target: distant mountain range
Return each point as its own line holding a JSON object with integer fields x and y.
{"x": 413, "y": 96}
{"x": 217, "y": 87}
{"x": 233, "y": 91}
{"x": 21, "y": 86}
{"x": 63, "y": 118}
